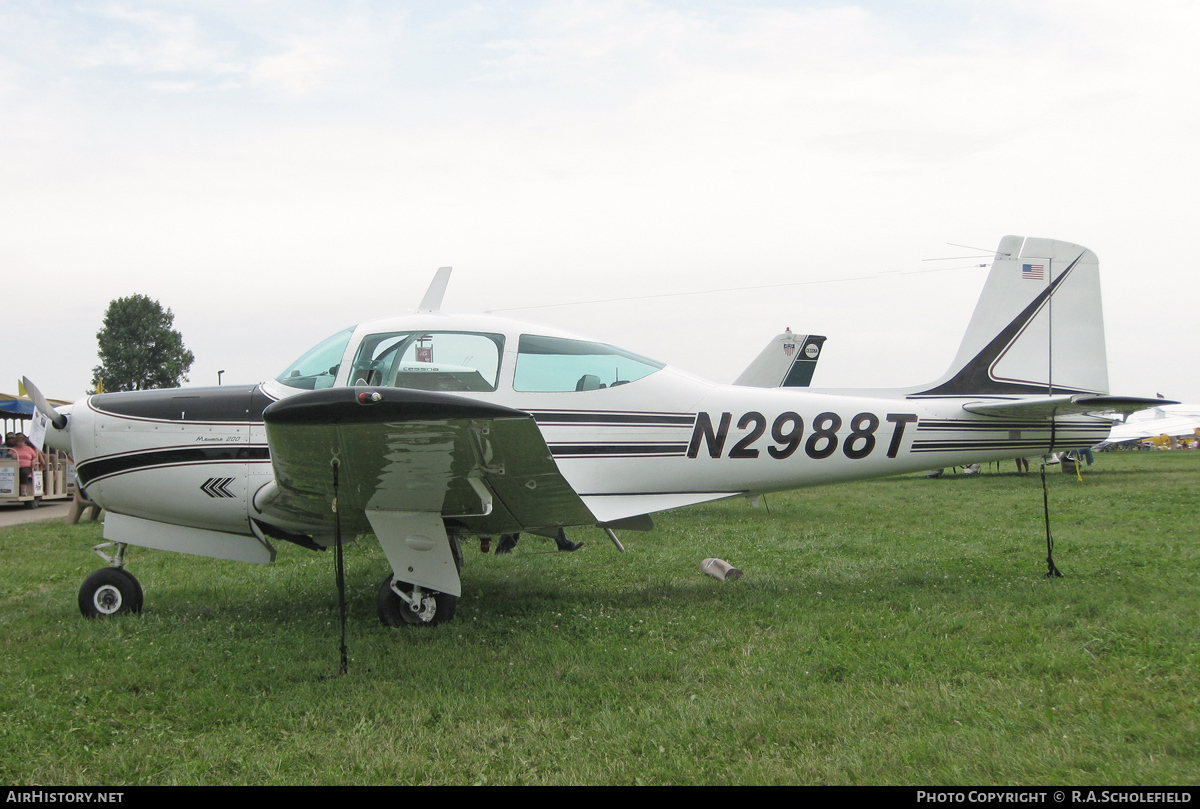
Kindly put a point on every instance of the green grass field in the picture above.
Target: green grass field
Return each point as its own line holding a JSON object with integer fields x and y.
{"x": 890, "y": 632}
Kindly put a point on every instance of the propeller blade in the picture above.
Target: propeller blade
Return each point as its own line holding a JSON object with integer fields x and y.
{"x": 39, "y": 401}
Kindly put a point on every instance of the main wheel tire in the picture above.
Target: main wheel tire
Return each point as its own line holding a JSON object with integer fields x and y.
{"x": 110, "y": 591}
{"x": 136, "y": 606}
{"x": 394, "y": 611}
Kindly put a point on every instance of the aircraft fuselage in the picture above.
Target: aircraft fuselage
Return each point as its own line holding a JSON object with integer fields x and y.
{"x": 197, "y": 457}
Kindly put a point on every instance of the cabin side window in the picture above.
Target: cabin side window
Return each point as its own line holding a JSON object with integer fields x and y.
{"x": 555, "y": 364}
{"x": 429, "y": 360}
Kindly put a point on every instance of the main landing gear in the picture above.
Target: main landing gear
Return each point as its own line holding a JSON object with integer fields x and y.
{"x": 404, "y": 604}
{"x": 110, "y": 590}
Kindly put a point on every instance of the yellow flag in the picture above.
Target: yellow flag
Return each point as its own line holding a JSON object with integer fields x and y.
{"x": 99, "y": 386}
{"x": 21, "y": 388}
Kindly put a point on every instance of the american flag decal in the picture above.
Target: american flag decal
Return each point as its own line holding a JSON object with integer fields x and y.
{"x": 1033, "y": 272}
{"x": 789, "y": 349}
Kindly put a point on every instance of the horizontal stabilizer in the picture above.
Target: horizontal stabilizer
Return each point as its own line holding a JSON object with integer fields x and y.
{"x": 1051, "y": 406}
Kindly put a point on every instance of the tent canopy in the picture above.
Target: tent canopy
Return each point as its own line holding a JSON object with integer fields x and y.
{"x": 16, "y": 408}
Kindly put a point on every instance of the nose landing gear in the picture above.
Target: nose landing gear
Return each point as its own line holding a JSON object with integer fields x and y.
{"x": 110, "y": 591}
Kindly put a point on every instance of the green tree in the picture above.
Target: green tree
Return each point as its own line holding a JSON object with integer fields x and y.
{"x": 138, "y": 348}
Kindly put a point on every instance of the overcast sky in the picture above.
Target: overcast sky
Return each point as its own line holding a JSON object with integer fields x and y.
{"x": 275, "y": 171}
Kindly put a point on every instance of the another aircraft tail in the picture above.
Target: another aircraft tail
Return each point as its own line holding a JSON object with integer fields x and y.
{"x": 788, "y": 361}
{"x": 1038, "y": 327}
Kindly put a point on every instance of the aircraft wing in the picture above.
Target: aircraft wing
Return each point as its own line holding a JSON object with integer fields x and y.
{"x": 1049, "y": 406}
{"x": 402, "y": 450}
{"x": 1175, "y": 426}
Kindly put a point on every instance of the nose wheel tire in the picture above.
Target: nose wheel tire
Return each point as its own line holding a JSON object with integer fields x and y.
{"x": 432, "y": 608}
{"x": 110, "y": 591}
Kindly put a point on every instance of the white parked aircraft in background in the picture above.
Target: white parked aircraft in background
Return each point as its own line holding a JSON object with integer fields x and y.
{"x": 428, "y": 429}
{"x": 1170, "y": 420}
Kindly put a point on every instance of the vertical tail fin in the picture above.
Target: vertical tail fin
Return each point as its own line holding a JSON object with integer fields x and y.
{"x": 432, "y": 302}
{"x": 788, "y": 361}
{"x": 1038, "y": 327}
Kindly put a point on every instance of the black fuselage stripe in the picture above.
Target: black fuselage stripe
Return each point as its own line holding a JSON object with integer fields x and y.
{"x": 612, "y": 418}
{"x": 722, "y": 493}
{"x": 984, "y": 426}
{"x": 104, "y": 467}
{"x": 981, "y": 446}
{"x": 617, "y": 449}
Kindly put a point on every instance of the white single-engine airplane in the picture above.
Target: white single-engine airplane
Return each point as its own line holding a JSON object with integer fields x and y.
{"x": 433, "y": 427}
{"x": 1169, "y": 421}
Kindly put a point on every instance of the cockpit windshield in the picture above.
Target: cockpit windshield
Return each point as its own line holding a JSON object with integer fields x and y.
{"x": 549, "y": 364}
{"x": 319, "y": 366}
